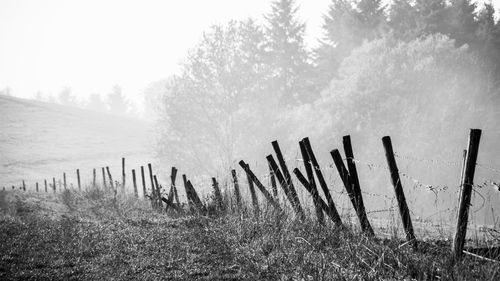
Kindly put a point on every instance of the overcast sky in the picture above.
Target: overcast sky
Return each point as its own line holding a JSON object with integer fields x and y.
{"x": 93, "y": 44}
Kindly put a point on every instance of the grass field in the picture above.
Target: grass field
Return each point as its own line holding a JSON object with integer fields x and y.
{"x": 92, "y": 235}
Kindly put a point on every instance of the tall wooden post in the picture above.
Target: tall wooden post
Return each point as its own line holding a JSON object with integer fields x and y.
{"x": 153, "y": 189}
{"x": 54, "y": 184}
{"x": 24, "y": 186}
{"x": 218, "y": 194}
{"x": 64, "y": 181}
{"x": 93, "y": 178}
{"x": 237, "y": 193}
{"x": 467, "y": 183}
{"x": 123, "y": 173}
{"x": 45, "y": 183}
{"x": 104, "y": 185}
{"x": 398, "y": 188}
{"x": 36, "y": 186}
{"x": 144, "y": 193}
{"x": 255, "y": 200}
{"x": 312, "y": 183}
{"x": 111, "y": 184}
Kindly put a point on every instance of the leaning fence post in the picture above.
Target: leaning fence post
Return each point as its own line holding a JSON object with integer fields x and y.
{"x": 158, "y": 202}
{"x": 135, "y": 183}
{"x": 110, "y": 179}
{"x": 78, "y": 179}
{"x": 288, "y": 179}
{"x": 398, "y": 188}
{"x": 218, "y": 194}
{"x": 24, "y": 186}
{"x": 153, "y": 191}
{"x": 467, "y": 183}
{"x": 255, "y": 201}
{"x": 236, "y": 189}
{"x": 261, "y": 187}
{"x": 273, "y": 183}
{"x": 311, "y": 181}
{"x": 356, "y": 187}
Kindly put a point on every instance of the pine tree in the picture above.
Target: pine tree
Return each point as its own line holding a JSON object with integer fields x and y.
{"x": 287, "y": 54}
{"x": 116, "y": 101}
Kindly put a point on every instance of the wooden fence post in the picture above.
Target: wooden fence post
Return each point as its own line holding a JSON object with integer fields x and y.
{"x": 104, "y": 179}
{"x": 173, "y": 176}
{"x": 64, "y": 181}
{"x": 158, "y": 204}
{"x": 298, "y": 211}
{"x": 288, "y": 179}
{"x": 45, "y": 183}
{"x": 321, "y": 180}
{"x": 356, "y": 187}
{"x": 93, "y": 178}
{"x": 24, "y": 186}
{"x": 314, "y": 193}
{"x": 255, "y": 200}
{"x": 153, "y": 191}
{"x": 134, "y": 183}
{"x": 78, "y": 179}
{"x": 273, "y": 183}
{"x": 237, "y": 193}
{"x": 260, "y": 186}
{"x": 467, "y": 183}
{"x": 349, "y": 186}
{"x": 171, "y": 194}
{"x": 144, "y": 193}
{"x": 312, "y": 183}
{"x": 111, "y": 184}
{"x": 398, "y": 188}
{"x": 123, "y": 173}
{"x": 36, "y": 187}
{"x": 54, "y": 184}
{"x": 218, "y": 194}
{"x": 196, "y": 199}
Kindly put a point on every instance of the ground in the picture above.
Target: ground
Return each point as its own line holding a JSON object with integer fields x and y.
{"x": 92, "y": 235}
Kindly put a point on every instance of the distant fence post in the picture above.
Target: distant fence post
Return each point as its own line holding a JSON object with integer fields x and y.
{"x": 144, "y": 193}
{"x": 158, "y": 202}
{"x": 54, "y": 184}
{"x": 93, "y": 178}
{"x": 36, "y": 187}
{"x": 78, "y": 179}
{"x": 255, "y": 200}
{"x": 274, "y": 186}
{"x": 467, "y": 183}
{"x": 45, "y": 183}
{"x": 173, "y": 176}
{"x": 104, "y": 185}
{"x": 135, "y": 183}
{"x": 398, "y": 188}
{"x": 111, "y": 184}
{"x": 153, "y": 191}
{"x": 24, "y": 186}
{"x": 261, "y": 187}
{"x": 218, "y": 194}
{"x": 123, "y": 173}
{"x": 64, "y": 181}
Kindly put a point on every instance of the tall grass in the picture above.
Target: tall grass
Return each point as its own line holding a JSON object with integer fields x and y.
{"x": 103, "y": 236}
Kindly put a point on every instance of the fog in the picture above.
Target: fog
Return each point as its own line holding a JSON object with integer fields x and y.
{"x": 422, "y": 72}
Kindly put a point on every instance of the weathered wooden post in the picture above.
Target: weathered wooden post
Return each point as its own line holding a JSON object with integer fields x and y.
{"x": 273, "y": 183}
{"x": 104, "y": 179}
{"x": 310, "y": 176}
{"x": 260, "y": 186}
{"x": 144, "y": 193}
{"x": 153, "y": 189}
{"x": 467, "y": 183}
{"x": 45, "y": 183}
{"x": 78, "y": 179}
{"x": 123, "y": 173}
{"x": 237, "y": 193}
{"x": 255, "y": 200}
{"x": 111, "y": 184}
{"x": 36, "y": 187}
{"x": 314, "y": 193}
{"x": 24, "y": 186}
{"x": 218, "y": 194}
{"x": 298, "y": 211}
{"x": 54, "y": 184}
{"x": 93, "y": 178}
{"x": 398, "y": 188}
{"x": 349, "y": 186}
{"x": 64, "y": 181}
{"x": 158, "y": 202}
{"x": 196, "y": 199}
{"x": 321, "y": 180}
{"x": 288, "y": 179}
{"x": 135, "y": 183}
{"x": 188, "y": 192}
{"x": 173, "y": 176}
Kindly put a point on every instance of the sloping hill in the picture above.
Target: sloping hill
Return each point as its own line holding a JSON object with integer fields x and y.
{"x": 41, "y": 140}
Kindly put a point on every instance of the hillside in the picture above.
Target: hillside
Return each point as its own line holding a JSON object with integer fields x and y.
{"x": 41, "y": 140}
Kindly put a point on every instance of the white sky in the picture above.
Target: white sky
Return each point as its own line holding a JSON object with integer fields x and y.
{"x": 92, "y": 45}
